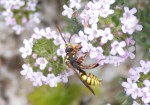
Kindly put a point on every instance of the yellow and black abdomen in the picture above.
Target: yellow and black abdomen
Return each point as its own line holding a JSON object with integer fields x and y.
{"x": 89, "y": 78}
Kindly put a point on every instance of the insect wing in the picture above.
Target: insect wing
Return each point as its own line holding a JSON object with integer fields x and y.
{"x": 83, "y": 81}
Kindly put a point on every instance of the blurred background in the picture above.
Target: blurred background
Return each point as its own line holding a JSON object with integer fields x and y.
{"x": 16, "y": 90}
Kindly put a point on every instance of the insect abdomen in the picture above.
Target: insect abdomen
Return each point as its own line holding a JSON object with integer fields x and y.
{"x": 89, "y": 78}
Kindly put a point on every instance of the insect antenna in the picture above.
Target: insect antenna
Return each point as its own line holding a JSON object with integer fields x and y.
{"x": 60, "y": 33}
{"x": 70, "y": 38}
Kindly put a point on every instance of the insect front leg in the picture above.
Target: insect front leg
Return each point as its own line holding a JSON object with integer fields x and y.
{"x": 80, "y": 59}
{"x": 89, "y": 66}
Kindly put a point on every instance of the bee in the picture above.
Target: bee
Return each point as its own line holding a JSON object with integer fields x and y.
{"x": 75, "y": 63}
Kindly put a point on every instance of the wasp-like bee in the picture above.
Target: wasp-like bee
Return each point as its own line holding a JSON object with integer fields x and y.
{"x": 73, "y": 62}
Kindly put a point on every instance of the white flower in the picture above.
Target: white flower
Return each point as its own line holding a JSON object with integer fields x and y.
{"x": 10, "y": 16}
{"x": 128, "y": 14}
{"x": 27, "y": 71}
{"x": 86, "y": 47}
{"x": 67, "y": 11}
{"x": 27, "y": 50}
{"x": 131, "y": 27}
{"x": 135, "y": 75}
{"x": 61, "y": 50}
{"x": 52, "y": 80}
{"x": 117, "y": 47}
{"x": 34, "y": 18}
{"x": 147, "y": 83}
{"x": 37, "y": 33}
{"x": 129, "y": 21}
{"x": 143, "y": 91}
{"x": 106, "y": 35}
{"x": 64, "y": 76}
{"x": 10, "y": 21}
{"x": 49, "y": 33}
{"x": 146, "y": 94}
{"x": 132, "y": 89}
{"x": 58, "y": 39}
{"x": 93, "y": 20}
{"x": 105, "y": 10}
{"x": 82, "y": 38}
{"x": 116, "y": 60}
{"x": 130, "y": 52}
{"x": 75, "y": 3}
{"x": 37, "y": 79}
{"x": 18, "y": 29}
{"x": 145, "y": 66}
{"x": 135, "y": 103}
{"x": 96, "y": 52}
{"x": 31, "y": 5}
{"x": 28, "y": 43}
{"x": 92, "y": 32}
{"x": 42, "y": 62}
{"x": 105, "y": 1}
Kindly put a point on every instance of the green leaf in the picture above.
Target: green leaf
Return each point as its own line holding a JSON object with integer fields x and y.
{"x": 60, "y": 95}
{"x": 121, "y": 96}
{"x": 128, "y": 101}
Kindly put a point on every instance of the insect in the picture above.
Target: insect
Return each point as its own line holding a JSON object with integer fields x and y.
{"x": 75, "y": 63}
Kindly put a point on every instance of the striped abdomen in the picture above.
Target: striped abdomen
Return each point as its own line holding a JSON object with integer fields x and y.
{"x": 89, "y": 78}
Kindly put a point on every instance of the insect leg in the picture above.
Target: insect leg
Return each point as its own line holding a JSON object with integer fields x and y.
{"x": 70, "y": 38}
{"x": 80, "y": 59}
{"x": 89, "y": 66}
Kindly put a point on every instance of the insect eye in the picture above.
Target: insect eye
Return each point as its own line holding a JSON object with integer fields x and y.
{"x": 69, "y": 50}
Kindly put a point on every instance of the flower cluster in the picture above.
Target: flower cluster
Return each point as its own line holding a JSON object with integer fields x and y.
{"x": 138, "y": 84}
{"x": 40, "y": 52}
{"x": 38, "y": 79}
{"x": 95, "y": 9}
{"x": 107, "y": 40}
{"x": 129, "y": 21}
{"x": 69, "y": 10}
{"x": 101, "y": 35}
{"x": 18, "y": 13}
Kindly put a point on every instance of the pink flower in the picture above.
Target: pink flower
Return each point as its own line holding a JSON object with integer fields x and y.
{"x": 50, "y": 69}
{"x": 55, "y": 58}
{"x": 34, "y": 56}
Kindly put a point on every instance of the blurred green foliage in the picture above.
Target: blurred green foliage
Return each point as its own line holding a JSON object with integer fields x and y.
{"x": 143, "y": 38}
{"x": 61, "y": 95}
{"x": 121, "y": 96}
